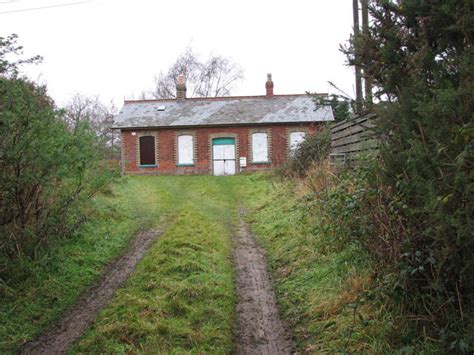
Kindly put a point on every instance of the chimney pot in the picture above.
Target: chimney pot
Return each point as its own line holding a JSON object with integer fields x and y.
{"x": 181, "y": 87}
{"x": 269, "y": 85}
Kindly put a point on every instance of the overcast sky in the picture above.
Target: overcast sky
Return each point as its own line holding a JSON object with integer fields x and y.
{"x": 114, "y": 48}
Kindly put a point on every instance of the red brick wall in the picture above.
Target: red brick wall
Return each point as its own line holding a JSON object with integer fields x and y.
{"x": 166, "y": 148}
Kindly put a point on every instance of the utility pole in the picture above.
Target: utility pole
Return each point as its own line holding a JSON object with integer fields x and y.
{"x": 358, "y": 74}
{"x": 365, "y": 31}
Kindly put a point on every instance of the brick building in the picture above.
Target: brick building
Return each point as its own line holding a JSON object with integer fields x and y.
{"x": 219, "y": 136}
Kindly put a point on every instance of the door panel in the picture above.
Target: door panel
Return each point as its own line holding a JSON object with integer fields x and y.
{"x": 219, "y": 167}
{"x": 218, "y": 152}
{"x": 229, "y": 151}
{"x": 229, "y": 167}
{"x": 223, "y": 156}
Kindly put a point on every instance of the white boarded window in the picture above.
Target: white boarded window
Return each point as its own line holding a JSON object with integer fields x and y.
{"x": 295, "y": 140}
{"x": 260, "y": 147}
{"x": 185, "y": 149}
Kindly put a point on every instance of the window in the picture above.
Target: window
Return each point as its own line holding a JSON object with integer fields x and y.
{"x": 295, "y": 140}
{"x": 147, "y": 150}
{"x": 185, "y": 150}
{"x": 259, "y": 147}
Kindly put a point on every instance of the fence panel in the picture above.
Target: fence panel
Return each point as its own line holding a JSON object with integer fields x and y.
{"x": 352, "y": 137}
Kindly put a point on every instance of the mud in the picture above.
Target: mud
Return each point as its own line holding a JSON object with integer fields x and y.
{"x": 58, "y": 338}
{"x": 259, "y": 328}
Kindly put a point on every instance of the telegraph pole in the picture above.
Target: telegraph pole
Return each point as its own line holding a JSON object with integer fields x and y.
{"x": 365, "y": 31}
{"x": 358, "y": 74}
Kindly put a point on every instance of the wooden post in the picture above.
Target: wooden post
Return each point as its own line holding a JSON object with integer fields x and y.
{"x": 358, "y": 74}
{"x": 365, "y": 31}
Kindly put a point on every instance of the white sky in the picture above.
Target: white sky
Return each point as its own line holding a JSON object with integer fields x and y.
{"x": 114, "y": 48}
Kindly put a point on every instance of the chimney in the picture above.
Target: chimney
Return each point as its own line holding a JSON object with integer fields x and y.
{"x": 181, "y": 87}
{"x": 269, "y": 85}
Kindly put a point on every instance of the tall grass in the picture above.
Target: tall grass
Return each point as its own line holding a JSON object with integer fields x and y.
{"x": 334, "y": 239}
{"x": 323, "y": 283}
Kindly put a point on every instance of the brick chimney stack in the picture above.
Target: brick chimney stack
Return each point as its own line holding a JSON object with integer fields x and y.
{"x": 181, "y": 87}
{"x": 269, "y": 85}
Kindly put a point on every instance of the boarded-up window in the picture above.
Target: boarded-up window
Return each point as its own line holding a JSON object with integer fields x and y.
{"x": 260, "y": 147}
{"x": 147, "y": 150}
{"x": 295, "y": 139}
{"x": 185, "y": 150}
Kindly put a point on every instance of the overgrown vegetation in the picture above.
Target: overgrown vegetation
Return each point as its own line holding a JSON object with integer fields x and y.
{"x": 420, "y": 56}
{"x": 411, "y": 209}
{"x": 334, "y": 239}
{"x": 47, "y": 171}
{"x": 314, "y": 149}
{"x": 35, "y": 293}
{"x": 50, "y": 173}
{"x": 83, "y": 110}
{"x": 327, "y": 283}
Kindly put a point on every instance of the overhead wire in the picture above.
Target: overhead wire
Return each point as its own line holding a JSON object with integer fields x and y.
{"x": 41, "y": 7}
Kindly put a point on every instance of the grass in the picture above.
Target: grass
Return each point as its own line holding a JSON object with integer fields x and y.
{"x": 181, "y": 297}
{"x": 322, "y": 293}
{"x": 39, "y": 292}
{"x": 186, "y": 277}
{"x": 193, "y": 260}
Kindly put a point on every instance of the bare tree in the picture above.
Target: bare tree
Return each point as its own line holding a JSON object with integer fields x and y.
{"x": 99, "y": 117}
{"x": 211, "y": 78}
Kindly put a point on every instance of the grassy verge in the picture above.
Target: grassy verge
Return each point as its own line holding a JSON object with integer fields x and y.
{"x": 38, "y": 292}
{"x": 323, "y": 294}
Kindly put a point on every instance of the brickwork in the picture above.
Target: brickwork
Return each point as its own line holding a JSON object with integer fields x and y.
{"x": 165, "y": 139}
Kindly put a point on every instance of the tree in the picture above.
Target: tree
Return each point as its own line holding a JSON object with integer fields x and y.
{"x": 342, "y": 104}
{"x": 421, "y": 59}
{"x": 10, "y": 48}
{"x": 98, "y": 116}
{"x": 211, "y": 78}
{"x": 47, "y": 171}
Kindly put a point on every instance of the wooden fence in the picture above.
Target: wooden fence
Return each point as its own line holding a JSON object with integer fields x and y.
{"x": 352, "y": 137}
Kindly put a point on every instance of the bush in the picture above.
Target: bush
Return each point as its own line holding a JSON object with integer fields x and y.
{"x": 313, "y": 150}
{"x": 420, "y": 57}
{"x": 46, "y": 170}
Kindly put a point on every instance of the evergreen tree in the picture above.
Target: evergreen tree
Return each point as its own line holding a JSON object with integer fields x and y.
{"x": 420, "y": 56}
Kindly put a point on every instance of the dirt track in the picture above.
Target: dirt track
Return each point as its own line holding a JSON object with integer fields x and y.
{"x": 57, "y": 339}
{"x": 259, "y": 328}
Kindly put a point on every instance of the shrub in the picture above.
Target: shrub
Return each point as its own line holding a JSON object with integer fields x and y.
{"x": 46, "y": 171}
{"x": 420, "y": 57}
{"x": 313, "y": 150}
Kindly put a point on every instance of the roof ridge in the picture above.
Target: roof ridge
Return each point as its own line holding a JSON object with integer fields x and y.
{"x": 220, "y": 98}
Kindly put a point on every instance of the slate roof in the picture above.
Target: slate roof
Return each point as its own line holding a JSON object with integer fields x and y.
{"x": 242, "y": 110}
